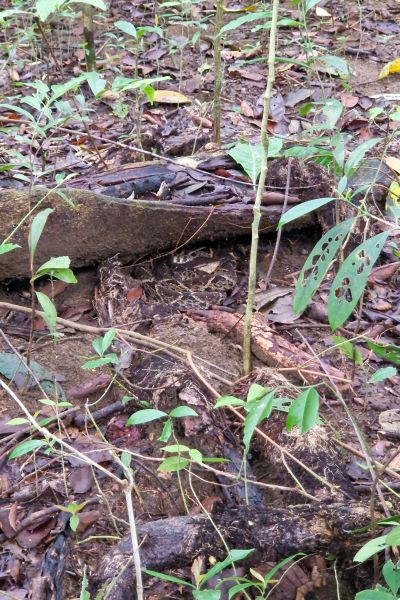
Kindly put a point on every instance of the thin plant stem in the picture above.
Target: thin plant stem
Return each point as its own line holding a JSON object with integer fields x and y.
{"x": 218, "y": 71}
{"x": 260, "y": 191}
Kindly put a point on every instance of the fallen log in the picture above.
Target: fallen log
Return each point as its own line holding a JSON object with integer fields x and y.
{"x": 273, "y": 533}
{"x": 174, "y": 204}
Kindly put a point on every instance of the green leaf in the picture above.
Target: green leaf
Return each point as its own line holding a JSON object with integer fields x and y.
{"x": 196, "y": 456}
{"x": 248, "y": 156}
{"x": 318, "y": 263}
{"x": 303, "y": 411}
{"x": 126, "y": 458}
{"x": 235, "y": 555}
{"x": 109, "y": 359}
{"x": 145, "y": 416}
{"x": 107, "y": 340}
{"x": 206, "y": 594}
{"x": 358, "y": 154}
{"x": 57, "y": 268}
{"x": 374, "y": 595}
{"x": 334, "y": 65}
{"x": 391, "y": 575}
{"x": 370, "y": 548}
{"x": 44, "y": 8}
{"x": 127, "y": 28}
{"x": 26, "y": 448}
{"x": 74, "y": 522}
{"x": 332, "y": 109}
{"x": 393, "y": 537}
{"x": 348, "y": 349}
{"x": 173, "y": 464}
{"x": 183, "y": 411}
{"x": 96, "y": 82}
{"x": 166, "y": 431}
{"x": 37, "y": 226}
{"x": 4, "y": 247}
{"x": 256, "y": 392}
{"x": 49, "y": 311}
{"x": 302, "y": 209}
{"x": 389, "y": 352}
{"x": 169, "y": 578}
{"x": 351, "y": 279}
{"x": 60, "y": 89}
{"x": 382, "y": 374}
{"x": 18, "y": 421}
{"x": 236, "y": 589}
{"x": 228, "y": 401}
{"x": 242, "y": 20}
{"x": 259, "y": 411}
{"x": 176, "y": 448}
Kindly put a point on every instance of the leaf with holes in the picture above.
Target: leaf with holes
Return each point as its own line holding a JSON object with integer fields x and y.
{"x": 317, "y": 264}
{"x": 351, "y": 279}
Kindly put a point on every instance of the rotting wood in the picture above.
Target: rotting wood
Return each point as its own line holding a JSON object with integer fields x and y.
{"x": 273, "y": 533}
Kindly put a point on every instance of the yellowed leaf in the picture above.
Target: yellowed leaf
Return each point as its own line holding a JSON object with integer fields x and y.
{"x": 393, "y": 163}
{"x": 393, "y": 197}
{"x": 390, "y": 68}
{"x": 241, "y": 9}
{"x": 170, "y": 97}
{"x": 321, "y": 12}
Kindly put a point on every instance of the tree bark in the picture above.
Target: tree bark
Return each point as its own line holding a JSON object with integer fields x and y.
{"x": 274, "y": 533}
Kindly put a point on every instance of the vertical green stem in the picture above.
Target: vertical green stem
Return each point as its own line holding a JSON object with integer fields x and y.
{"x": 218, "y": 71}
{"x": 88, "y": 34}
{"x": 260, "y": 190}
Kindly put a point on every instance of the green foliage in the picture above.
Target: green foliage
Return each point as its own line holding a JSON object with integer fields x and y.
{"x": 303, "y": 412}
{"x": 389, "y": 352}
{"x": 100, "y": 346}
{"x": 248, "y": 156}
{"x": 302, "y": 209}
{"x": 27, "y": 447}
{"x": 391, "y": 575}
{"x": 348, "y": 349}
{"x": 351, "y": 279}
{"x": 317, "y": 264}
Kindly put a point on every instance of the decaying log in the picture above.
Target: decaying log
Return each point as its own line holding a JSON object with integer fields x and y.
{"x": 95, "y": 217}
{"x": 274, "y": 533}
{"x": 92, "y": 227}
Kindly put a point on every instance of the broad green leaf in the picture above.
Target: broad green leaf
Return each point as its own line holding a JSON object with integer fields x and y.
{"x": 302, "y": 209}
{"x": 96, "y": 82}
{"x": 382, "y": 374}
{"x": 351, "y": 279}
{"x": 145, "y": 416}
{"x": 370, "y": 548}
{"x": 60, "y": 89}
{"x": 391, "y": 575}
{"x": 393, "y": 537}
{"x": 176, "y": 448}
{"x": 242, "y": 20}
{"x": 183, "y": 411}
{"x": 44, "y": 8}
{"x": 303, "y": 411}
{"x": 166, "y": 431}
{"x": 318, "y": 263}
{"x": 74, "y": 522}
{"x": 259, "y": 411}
{"x": 196, "y": 456}
{"x": 7, "y": 247}
{"x": 127, "y": 28}
{"x": 173, "y": 464}
{"x": 206, "y": 594}
{"x": 169, "y": 578}
{"x": 358, "y": 154}
{"x": 229, "y": 401}
{"x": 37, "y": 226}
{"x": 235, "y": 555}
{"x": 17, "y": 421}
{"x": 332, "y": 109}
{"x": 248, "y": 156}
{"x": 236, "y": 589}
{"x": 58, "y": 262}
{"x": 374, "y": 595}
{"x": 338, "y": 149}
{"x": 285, "y": 22}
{"x": 334, "y": 65}
{"x": 107, "y": 340}
{"x": 348, "y": 349}
{"x": 26, "y": 447}
{"x": 389, "y": 352}
{"x": 256, "y": 392}
{"x": 49, "y": 311}
{"x": 109, "y": 359}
